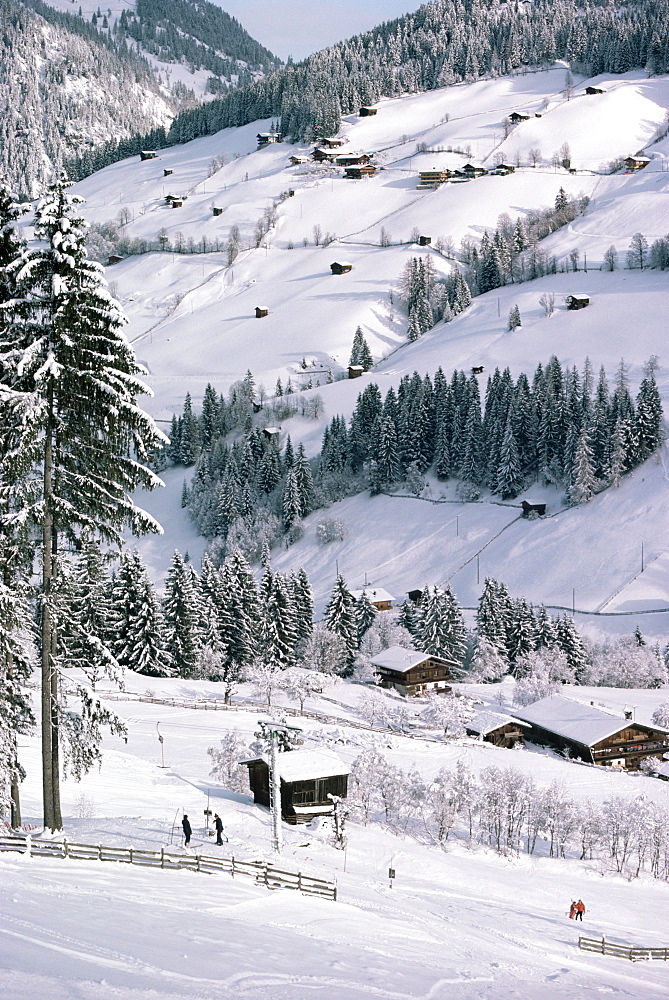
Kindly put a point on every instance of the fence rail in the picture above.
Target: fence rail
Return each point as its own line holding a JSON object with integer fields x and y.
{"x": 263, "y": 873}
{"x": 603, "y": 947}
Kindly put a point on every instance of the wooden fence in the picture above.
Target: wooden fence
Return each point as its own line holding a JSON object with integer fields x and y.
{"x": 603, "y": 947}
{"x": 263, "y": 873}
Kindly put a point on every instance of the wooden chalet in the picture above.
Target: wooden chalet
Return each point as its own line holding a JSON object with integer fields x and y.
{"x": 297, "y": 160}
{"x": 502, "y": 169}
{"x": 411, "y": 672}
{"x": 167, "y": 171}
{"x": 592, "y": 735}
{"x": 341, "y": 267}
{"x": 147, "y": 154}
{"x": 578, "y": 301}
{"x": 357, "y": 173}
{"x": 533, "y": 507}
{"x": 352, "y": 160}
{"x": 265, "y": 138}
{"x": 307, "y": 777}
{"x": 261, "y": 311}
{"x": 171, "y": 198}
{"x": 377, "y": 597}
{"x": 473, "y": 170}
{"x": 424, "y": 241}
{"x": 355, "y": 371}
{"x": 272, "y": 434}
{"x": 367, "y": 112}
{"x": 331, "y": 143}
{"x": 519, "y": 116}
{"x": 114, "y": 258}
{"x": 325, "y": 155}
{"x": 595, "y": 90}
{"x": 637, "y": 162}
{"x": 500, "y": 730}
{"x": 431, "y": 179}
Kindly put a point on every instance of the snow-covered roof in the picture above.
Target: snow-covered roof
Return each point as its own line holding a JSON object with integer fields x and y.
{"x": 578, "y": 295}
{"x": 306, "y": 765}
{"x": 486, "y": 722}
{"x": 375, "y": 594}
{"x": 584, "y": 724}
{"x": 398, "y": 658}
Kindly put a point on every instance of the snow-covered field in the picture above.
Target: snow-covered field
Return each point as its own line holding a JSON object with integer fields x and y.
{"x": 458, "y": 923}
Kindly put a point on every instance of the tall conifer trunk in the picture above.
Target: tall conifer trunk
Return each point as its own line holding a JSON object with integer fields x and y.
{"x": 51, "y": 820}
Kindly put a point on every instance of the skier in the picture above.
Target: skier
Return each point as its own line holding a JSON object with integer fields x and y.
{"x": 572, "y": 909}
{"x": 187, "y": 830}
{"x": 580, "y": 910}
{"x": 218, "y": 823}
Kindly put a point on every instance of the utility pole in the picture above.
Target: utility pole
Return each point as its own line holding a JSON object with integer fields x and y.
{"x": 279, "y": 736}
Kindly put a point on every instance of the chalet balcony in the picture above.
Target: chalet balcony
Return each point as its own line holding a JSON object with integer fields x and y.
{"x": 636, "y": 749}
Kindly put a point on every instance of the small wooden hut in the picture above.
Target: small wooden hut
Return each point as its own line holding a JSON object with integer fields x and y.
{"x": 519, "y": 116}
{"x": 341, "y": 267}
{"x": 377, "y": 597}
{"x": 261, "y": 311}
{"x": 595, "y": 90}
{"x": 500, "y": 730}
{"x": 533, "y": 507}
{"x": 217, "y": 211}
{"x": 307, "y": 778}
{"x": 355, "y": 371}
{"x": 147, "y": 154}
{"x": 167, "y": 171}
{"x": 367, "y": 112}
{"x": 578, "y": 301}
{"x": 424, "y": 241}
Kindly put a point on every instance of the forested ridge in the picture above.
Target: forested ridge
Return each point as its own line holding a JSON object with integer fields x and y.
{"x": 442, "y": 43}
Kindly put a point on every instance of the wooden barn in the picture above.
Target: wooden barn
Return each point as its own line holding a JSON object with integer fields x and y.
{"x": 272, "y": 434}
{"x": 595, "y": 90}
{"x": 592, "y": 735}
{"x": 265, "y": 138}
{"x": 147, "y": 154}
{"x": 519, "y": 116}
{"x": 377, "y": 597}
{"x": 261, "y": 312}
{"x": 307, "y": 778}
{"x": 367, "y": 112}
{"x": 355, "y": 371}
{"x": 114, "y": 258}
{"x": 637, "y": 162}
{"x": 415, "y": 596}
{"x": 297, "y": 160}
{"x": 357, "y": 173}
{"x": 167, "y": 171}
{"x": 331, "y": 143}
{"x": 217, "y": 211}
{"x": 500, "y": 730}
{"x": 325, "y": 155}
{"x": 533, "y": 507}
{"x": 503, "y": 169}
{"x": 411, "y": 672}
{"x": 578, "y": 301}
{"x": 341, "y": 267}
{"x": 477, "y": 369}
{"x": 431, "y": 179}
{"x": 352, "y": 160}
{"x": 424, "y": 241}
{"x": 474, "y": 170}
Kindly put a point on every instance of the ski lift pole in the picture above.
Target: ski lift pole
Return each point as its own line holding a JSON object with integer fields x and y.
{"x": 162, "y": 746}
{"x": 277, "y": 838}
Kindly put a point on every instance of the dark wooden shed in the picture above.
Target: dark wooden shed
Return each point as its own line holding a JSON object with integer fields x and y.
{"x": 415, "y": 596}
{"x": 500, "y": 730}
{"x": 167, "y": 171}
{"x": 424, "y": 241}
{"x": 356, "y": 173}
{"x": 147, "y": 154}
{"x": 592, "y": 735}
{"x": 261, "y": 311}
{"x": 367, "y": 112}
{"x": 532, "y": 507}
{"x": 355, "y": 371}
{"x": 341, "y": 267}
{"x": 307, "y": 778}
{"x": 477, "y": 369}
{"x": 578, "y": 301}
{"x": 519, "y": 116}
{"x": 595, "y": 90}
{"x": 114, "y": 258}
{"x": 217, "y": 211}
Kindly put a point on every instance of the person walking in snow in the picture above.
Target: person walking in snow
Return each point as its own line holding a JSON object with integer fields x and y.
{"x": 572, "y": 909}
{"x": 218, "y": 823}
{"x": 580, "y": 910}
{"x": 185, "y": 822}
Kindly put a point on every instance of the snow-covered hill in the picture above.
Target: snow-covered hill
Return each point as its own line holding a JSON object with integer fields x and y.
{"x": 192, "y": 317}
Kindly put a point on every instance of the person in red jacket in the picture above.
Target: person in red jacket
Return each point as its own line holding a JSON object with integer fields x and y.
{"x": 580, "y": 910}
{"x": 572, "y": 909}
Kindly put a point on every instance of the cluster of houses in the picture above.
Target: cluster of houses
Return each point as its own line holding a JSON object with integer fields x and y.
{"x": 432, "y": 179}
{"x": 309, "y": 778}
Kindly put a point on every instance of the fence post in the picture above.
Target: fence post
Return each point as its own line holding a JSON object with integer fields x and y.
{"x": 99, "y": 852}
{"x": 162, "y": 857}
{"x": 232, "y": 872}
{"x": 299, "y": 881}
{"x": 334, "y": 891}
{"x": 197, "y": 859}
{"x": 131, "y": 857}
{"x": 66, "y": 849}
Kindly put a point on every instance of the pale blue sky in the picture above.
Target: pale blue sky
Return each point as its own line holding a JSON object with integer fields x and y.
{"x": 299, "y": 27}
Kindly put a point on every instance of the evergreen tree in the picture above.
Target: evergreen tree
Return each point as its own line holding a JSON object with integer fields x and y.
{"x": 183, "y": 617}
{"x": 17, "y": 655}
{"x": 340, "y": 616}
{"x": 388, "y": 463}
{"x": 584, "y": 483}
{"x": 514, "y": 319}
{"x": 571, "y": 644}
{"x": 365, "y": 615}
{"x": 279, "y": 623}
{"x": 291, "y": 504}
{"x": 493, "y": 615}
{"x": 509, "y": 479}
{"x": 648, "y": 418}
{"x": 67, "y": 467}
{"x": 303, "y": 603}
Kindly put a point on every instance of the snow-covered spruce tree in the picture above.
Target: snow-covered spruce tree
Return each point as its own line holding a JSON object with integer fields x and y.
{"x": 279, "y": 625}
{"x": 182, "y": 610}
{"x": 493, "y": 615}
{"x": 11, "y": 243}
{"x": 17, "y": 657}
{"x": 584, "y": 483}
{"x": 514, "y": 319}
{"x": 75, "y": 442}
{"x": 340, "y": 617}
{"x": 365, "y": 615}
{"x": 487, "y": 663}
{"x": 142, "y": 640}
